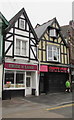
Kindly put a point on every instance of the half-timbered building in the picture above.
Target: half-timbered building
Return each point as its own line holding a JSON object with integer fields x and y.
{"x": 20, "y": 67}
{"x": 3, "y": 25}
{"x": 53, "y": 55}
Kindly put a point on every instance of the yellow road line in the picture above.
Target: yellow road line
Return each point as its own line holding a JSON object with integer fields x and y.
{"x": 60, "y": 107}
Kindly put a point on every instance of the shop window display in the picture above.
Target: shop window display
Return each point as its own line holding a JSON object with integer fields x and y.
{"x": 14, "y": 79}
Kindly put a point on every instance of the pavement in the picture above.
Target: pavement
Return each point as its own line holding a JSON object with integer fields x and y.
{"x": 52, "y": 98}
{"x": 36, "y": 107}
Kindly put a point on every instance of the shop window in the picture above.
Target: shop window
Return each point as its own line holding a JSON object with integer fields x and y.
{"x": 9, "y": 80}
{"x": 53, "y": 53}
{"x": 21, "y": 47}
{"x": 14, "y": 79}
{"x": 20, "y": 79}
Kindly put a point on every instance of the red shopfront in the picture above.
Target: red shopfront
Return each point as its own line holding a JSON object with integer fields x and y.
{"x": 53, "y": 79}
{"x": 19, "y": 80}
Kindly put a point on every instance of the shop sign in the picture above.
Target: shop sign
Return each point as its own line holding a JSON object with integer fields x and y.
{"x": 20, "y": 66}
{"x": 43, "y": 68}
{"x": 58, "y": 69}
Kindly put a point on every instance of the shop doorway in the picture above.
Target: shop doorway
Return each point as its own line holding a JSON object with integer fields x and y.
{"x": 28, "y": 85}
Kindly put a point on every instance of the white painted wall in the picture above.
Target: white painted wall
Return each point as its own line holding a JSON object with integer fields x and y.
{"x": 1, "y": 72}
{"x": 35, "y": 82}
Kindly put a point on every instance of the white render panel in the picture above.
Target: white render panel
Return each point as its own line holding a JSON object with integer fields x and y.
{"x": 33, "y": 74}
{"x": 32, "y": 35}
{"x": 11, "y": 38}
{"x": 27, "y": 27}
{"x": 34, "y": 49}
{"x": 7, "y": 44}
{"x": 22, "y": 16}
{"x": 9, "y": 52}
{"x": 11, "y": 30}
{"x": 22, "y": 32}
{"x": 16, "y": 24}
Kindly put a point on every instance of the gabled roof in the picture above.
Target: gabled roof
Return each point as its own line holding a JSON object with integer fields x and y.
{"x": 3, "y": 19}
{"x": 15, "y": 18}
{"x": 40, "y": 30}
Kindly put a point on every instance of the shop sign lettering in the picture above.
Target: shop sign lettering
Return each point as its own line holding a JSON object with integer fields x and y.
{"x": 58, "y": 69}
{"x": 20, "y": 66}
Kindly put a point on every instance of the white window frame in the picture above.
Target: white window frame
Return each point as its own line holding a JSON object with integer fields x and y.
{"x": 20, "y": 26}
{"x": 52, "y": 58}
{"x": 21, "y": 54}
{"x": 52, "y": 33}
{"x": 14, "y": 85}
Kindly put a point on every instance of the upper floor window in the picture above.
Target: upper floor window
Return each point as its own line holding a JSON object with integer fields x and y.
{"x": 21, "y": 47}
{"x": 52, "y": 33}
{"x": 53, "y": 53}
{"x": 21, "y": 24}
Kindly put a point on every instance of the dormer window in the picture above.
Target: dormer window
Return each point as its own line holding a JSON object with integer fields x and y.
{"x": 52, "y": 33}
{"x": 21, "y": 24}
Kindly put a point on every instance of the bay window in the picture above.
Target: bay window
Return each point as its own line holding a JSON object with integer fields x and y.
{"x": 53, "y": 53}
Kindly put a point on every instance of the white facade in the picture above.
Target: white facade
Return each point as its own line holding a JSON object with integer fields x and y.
{"x": 21, "y": 51}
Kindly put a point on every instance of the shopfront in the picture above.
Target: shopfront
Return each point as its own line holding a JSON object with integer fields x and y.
{"x": 20, "y": 80}
{"x": 53, "y": 79}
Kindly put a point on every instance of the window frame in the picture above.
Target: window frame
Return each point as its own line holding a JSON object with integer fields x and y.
{"x": 54, "y": 33}
{"x": 52, "y": 57}
{"x": 15, "y": 85}
{"x": 21, "y": 53}
{"x": 20, "y": 26}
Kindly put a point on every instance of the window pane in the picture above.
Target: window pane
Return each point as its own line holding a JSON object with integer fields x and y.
{"x": 50, "y": 47}
{"x": 55, "y": 57}
{"x": 23, "y": 48}
{"x": 22, "y": 24}
{"x": 19, "y": 78}
{"x": 9, "y": 78}
{"x": 18, "y": 46}
{"x": 50, "y": 54}
{"x": 53, "y": 33}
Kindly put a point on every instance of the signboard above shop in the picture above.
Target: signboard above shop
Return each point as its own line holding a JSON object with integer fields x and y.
{"x": 43, "y": 68}
{"x": 58, "y": 69}
{"x": 20, "y": 66}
